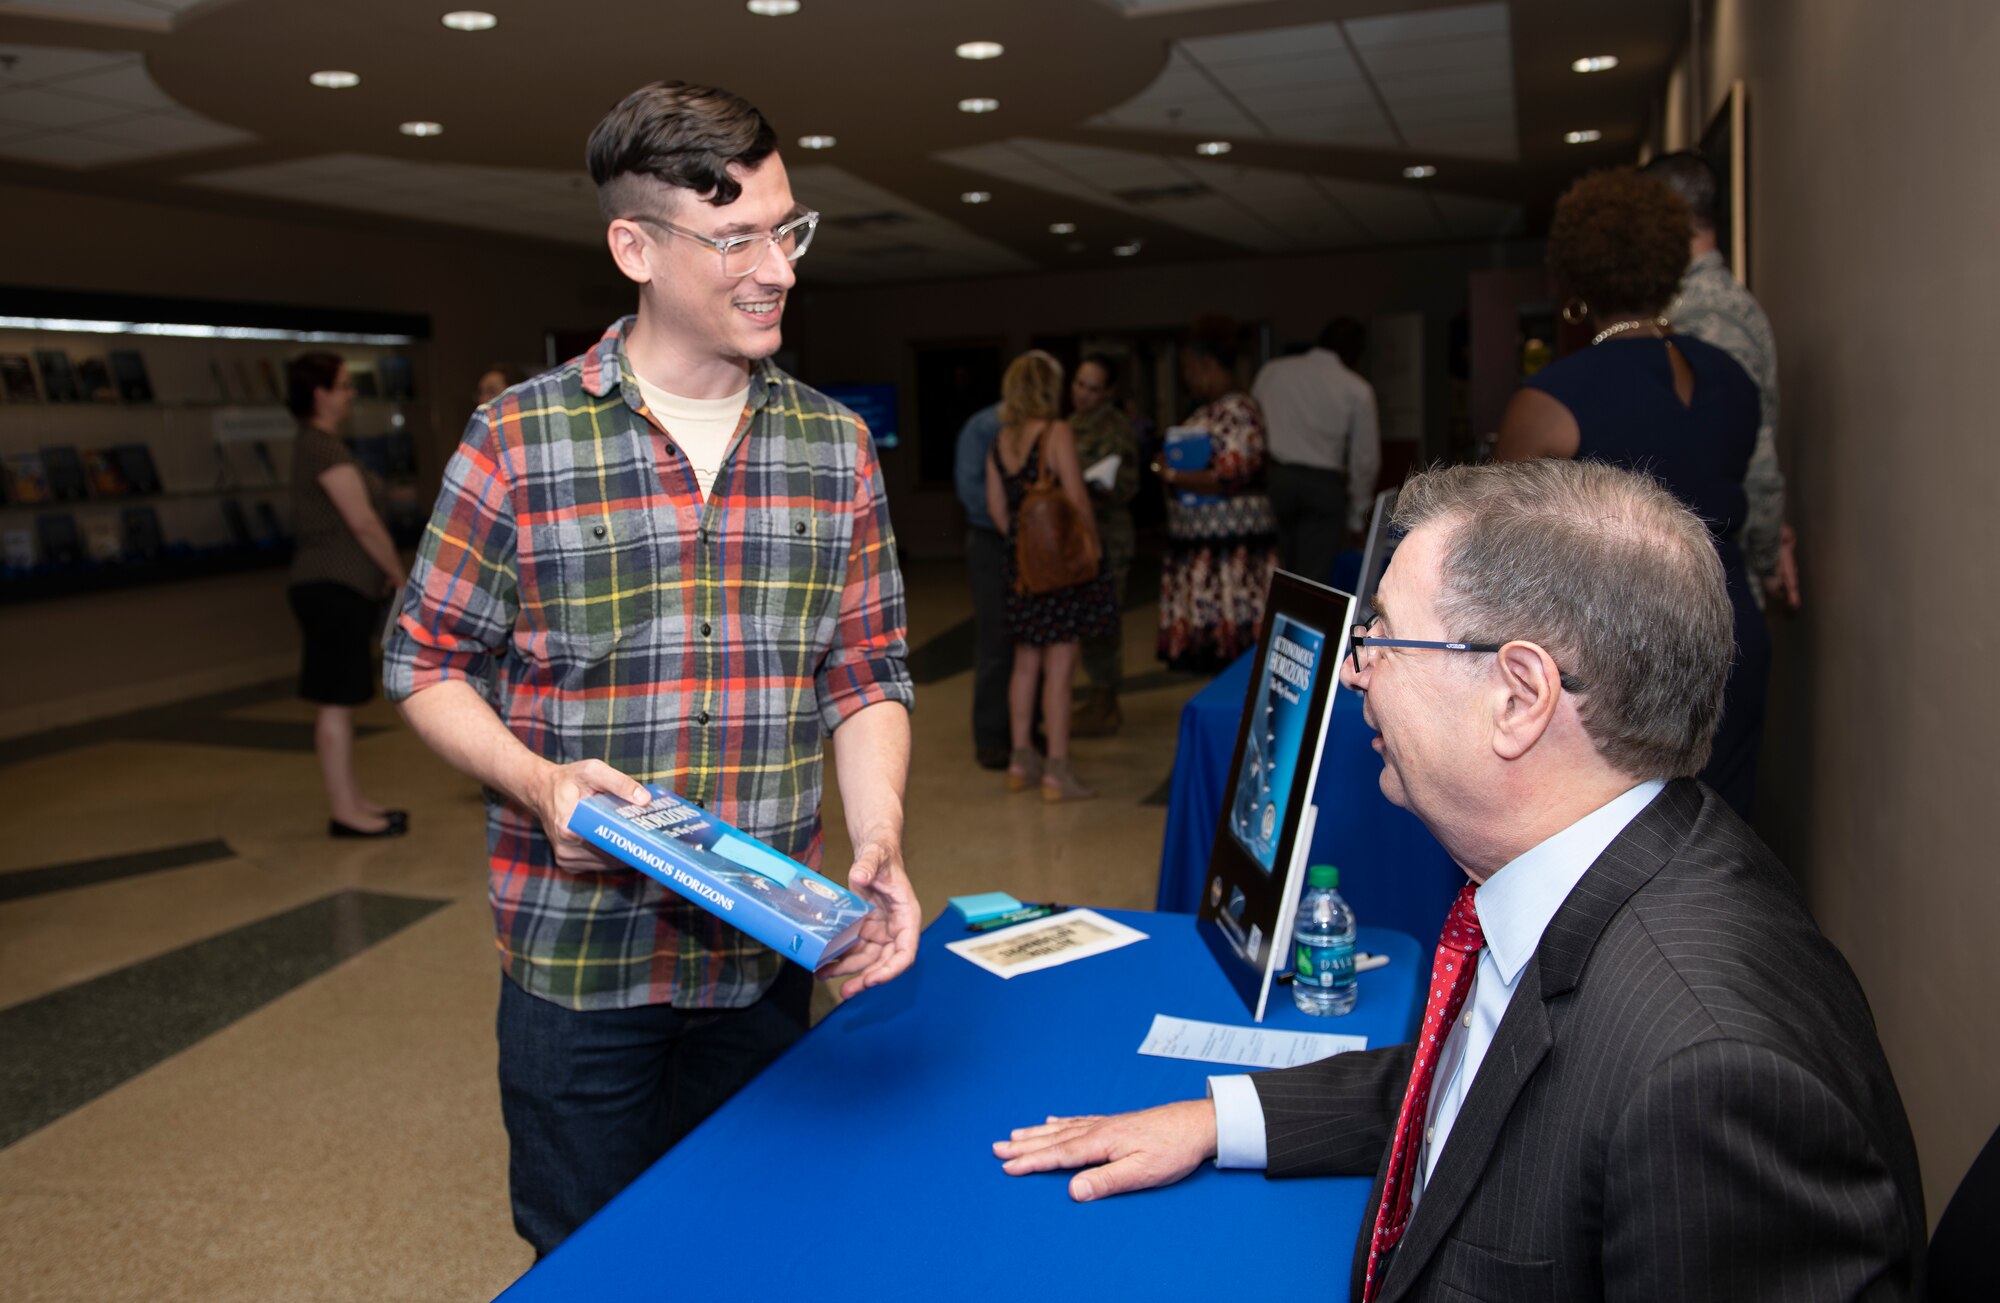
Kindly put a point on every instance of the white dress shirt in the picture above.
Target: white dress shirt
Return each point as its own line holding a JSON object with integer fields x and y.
{"x": 1515, "y": 906}
{"x": 1318, "y": 413}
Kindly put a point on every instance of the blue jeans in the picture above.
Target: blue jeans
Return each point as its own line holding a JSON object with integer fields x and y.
{"x": 592, "y": 1099}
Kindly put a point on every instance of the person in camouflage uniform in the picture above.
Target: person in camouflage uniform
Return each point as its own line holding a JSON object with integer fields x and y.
{"x": 1103, "y": 430}
{"x": 1715, "y": 308}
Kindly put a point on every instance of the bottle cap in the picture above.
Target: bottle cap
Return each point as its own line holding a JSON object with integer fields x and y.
{"x": 1322, "y": 875}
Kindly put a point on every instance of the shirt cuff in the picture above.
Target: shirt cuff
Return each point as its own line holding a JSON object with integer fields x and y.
{"x": 1239, "y": 1123}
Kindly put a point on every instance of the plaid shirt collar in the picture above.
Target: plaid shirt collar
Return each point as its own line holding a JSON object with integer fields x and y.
{"x": 607, "y": 366}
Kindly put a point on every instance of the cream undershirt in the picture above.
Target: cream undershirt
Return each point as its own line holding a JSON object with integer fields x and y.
{"x": 702, "y": 427}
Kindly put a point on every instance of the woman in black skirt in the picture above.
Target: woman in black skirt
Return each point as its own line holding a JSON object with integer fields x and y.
{"x": 345, "y": 565}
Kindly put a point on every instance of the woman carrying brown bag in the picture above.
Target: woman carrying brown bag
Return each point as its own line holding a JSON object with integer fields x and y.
{"x": 1035, "y": 454}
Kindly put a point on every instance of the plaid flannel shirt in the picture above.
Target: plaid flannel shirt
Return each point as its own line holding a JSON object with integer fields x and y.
{"x": 575, "y": 577}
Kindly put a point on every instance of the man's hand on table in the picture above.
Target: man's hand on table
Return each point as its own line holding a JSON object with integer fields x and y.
{"x": 1121, "y": 1153}
{"x": 556, "y": 792}
{"x": 889, "y": 934}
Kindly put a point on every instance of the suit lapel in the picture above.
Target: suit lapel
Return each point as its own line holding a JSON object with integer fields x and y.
{"x": 1525, "y": 1034}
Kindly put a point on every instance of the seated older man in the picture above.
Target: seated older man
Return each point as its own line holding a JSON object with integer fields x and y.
{"x": 1642, "y": 1071}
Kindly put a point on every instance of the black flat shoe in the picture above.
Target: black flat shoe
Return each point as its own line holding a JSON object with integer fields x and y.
{"x": 397, "y": 818}
{"x": 335, "y": 828}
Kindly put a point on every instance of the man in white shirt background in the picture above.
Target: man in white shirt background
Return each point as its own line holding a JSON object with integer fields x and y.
{"x": 1324, "y": 447}
{"x": 1642, "y": 1069}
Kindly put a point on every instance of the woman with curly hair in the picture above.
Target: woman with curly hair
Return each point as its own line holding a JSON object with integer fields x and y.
{"x": 1642, "y": 397}
{"x": 1222, "y": 537}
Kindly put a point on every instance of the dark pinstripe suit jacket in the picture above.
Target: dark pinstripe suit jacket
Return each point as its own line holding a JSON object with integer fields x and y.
{"x": 1686, "y": 1100}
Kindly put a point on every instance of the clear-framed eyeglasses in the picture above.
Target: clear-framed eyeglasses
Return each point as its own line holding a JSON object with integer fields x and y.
{"x": 743, "y": 254}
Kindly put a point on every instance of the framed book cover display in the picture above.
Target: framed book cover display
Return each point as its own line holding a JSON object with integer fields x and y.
{"x": 1256, "y": 867}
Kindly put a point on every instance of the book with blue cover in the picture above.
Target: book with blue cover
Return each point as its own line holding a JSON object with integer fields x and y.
{"x": 1190, "y": 448}
{"x": 806, "y": 918}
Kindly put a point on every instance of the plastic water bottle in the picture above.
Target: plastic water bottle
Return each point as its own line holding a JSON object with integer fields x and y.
{"x": 1323, "y": 950}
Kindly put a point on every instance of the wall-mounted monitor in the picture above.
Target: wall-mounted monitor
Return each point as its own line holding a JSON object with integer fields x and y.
{"x": 876, "y": 405}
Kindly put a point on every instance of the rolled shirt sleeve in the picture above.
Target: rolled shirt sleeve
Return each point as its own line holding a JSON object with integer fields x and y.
{"x": 869, "y": 659}
{"x": 459, "y": 607}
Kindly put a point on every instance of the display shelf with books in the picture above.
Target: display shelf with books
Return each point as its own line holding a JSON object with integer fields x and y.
{"x": 146, "y": 439}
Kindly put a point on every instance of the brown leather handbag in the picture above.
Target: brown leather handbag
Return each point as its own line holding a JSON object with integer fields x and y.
{"x": 1055, "y": 545}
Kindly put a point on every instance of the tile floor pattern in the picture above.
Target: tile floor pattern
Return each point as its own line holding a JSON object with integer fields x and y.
{"x": 283, "y": 1084}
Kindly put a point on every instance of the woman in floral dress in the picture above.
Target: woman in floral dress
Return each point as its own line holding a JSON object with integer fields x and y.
{"x": 1221, "y": 534}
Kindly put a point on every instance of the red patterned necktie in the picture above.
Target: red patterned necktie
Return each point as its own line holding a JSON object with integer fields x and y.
{"x": 1451, "y": 978}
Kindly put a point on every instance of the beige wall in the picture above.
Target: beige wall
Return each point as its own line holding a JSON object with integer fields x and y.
{"x": 1874, "y": 189}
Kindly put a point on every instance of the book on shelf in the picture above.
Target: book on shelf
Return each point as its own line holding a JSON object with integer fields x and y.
{"x": 103, "y": 475}
{"x": 56, "y": 531}
{"x": 17, "y": 378}
{"x": 93, "y": 381}
{"x": 27, "y": 478}
{"x": 100, "y": 538}
{"x": 269, "y": 532}
{"x": 222, "y": 392}
{"x": 64, "y": 469}
{"x": 274, "y": 388}
{"x": 140, "y": 527}
{"x": 135, "y": 463}
{"x": 128, "y": 371}
{"x": 17, "y": 549}
{"x": 58, "y": 379}
{"x": 237, "y": 523}
{"x": 806, "y": 918}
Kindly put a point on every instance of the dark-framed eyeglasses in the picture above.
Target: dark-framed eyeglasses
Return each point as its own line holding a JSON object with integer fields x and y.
{"x": 743, "y": 254}
{"x": 1360, "y": 638}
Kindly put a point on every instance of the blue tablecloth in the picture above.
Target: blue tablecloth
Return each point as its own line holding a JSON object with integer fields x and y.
{"x": 859, "y": 1166}
{"x": 1392, "y": 871}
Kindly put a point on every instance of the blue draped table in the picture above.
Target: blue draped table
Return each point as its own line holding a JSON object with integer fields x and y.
{"x": 1392, "y": 871}
{"x": 859, "y": 1166}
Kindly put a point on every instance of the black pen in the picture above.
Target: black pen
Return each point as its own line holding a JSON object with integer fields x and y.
{"x": 1012, "y": 916}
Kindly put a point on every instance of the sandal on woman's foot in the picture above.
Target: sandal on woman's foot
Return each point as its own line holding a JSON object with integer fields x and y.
{"x": 1024, "y": 769}
{"x": 1059, "y": 783}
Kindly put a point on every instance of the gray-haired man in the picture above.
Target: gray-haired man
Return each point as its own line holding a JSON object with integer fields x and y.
{"x": 1645, "y": 1073}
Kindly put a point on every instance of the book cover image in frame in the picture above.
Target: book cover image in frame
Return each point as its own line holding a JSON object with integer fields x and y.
{"x": 1257, "y": 864}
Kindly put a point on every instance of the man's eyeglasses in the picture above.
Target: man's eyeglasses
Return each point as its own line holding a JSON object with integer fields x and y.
{"x": 743, "y": 254}
{"x": 1360, "y": 638}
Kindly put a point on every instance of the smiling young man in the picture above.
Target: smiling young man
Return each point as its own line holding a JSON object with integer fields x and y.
{"x": 664, "y": 561}
{"x": 1642, "y": 1072}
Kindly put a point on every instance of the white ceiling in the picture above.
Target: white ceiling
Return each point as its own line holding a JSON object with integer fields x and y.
{"x": 89, "y": 108}
{"x": 1440, "y": 79}
{"x": 1254, "y": 208}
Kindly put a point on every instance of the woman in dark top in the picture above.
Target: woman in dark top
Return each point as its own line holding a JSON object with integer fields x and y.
{"x": 1641, "y": 397}
{"x": 344, "y": 564}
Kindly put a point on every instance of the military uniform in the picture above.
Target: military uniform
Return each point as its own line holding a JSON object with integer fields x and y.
{"x": 1100, "y": 433}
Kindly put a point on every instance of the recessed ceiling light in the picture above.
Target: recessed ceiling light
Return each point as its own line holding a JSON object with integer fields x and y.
{"x": 1062, "y": 228}
{"x": 978, "y": 105}
{"x": 773, "y": 8}
{"x": 1583, "y": 137}
{"x": 1212, "y": 147}
{"x": 421, "y": 129}
{"x": 1419, "y": 172}
{"x": 1127, "y": 249}
{"x": 469, "y": 20}
{"x": 816, "y": 142}
{"x": 334, "y": 79}
{"x": 1595, "y": 63}
{"x": 975, "y": 197}
{"x": 981, "y": 50}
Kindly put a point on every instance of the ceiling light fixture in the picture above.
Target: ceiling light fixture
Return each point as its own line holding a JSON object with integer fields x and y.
{"x": 978, "y": 105}
{"x": 1595, "y": 63}
{"x": 470, "y": 20}
{"x": 1590, "y": 137}
{"x": 772, "y": 8}
{"x": 981, "y": 50}
{"x": 1419, "y": 172}
{"x": 335, "y": 79}
{"x": 421, "y": 129}
{"x": 1211, "y": 148}
{"x": 816, "y": 142}
{"x": 975, "y": 197}
{"x": 1062, "y": 228}
{"x": 1127, "y": 249}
